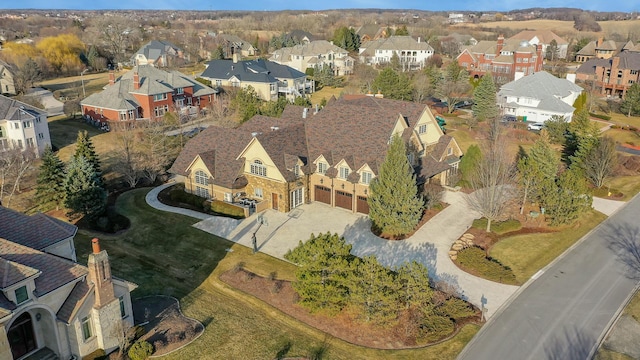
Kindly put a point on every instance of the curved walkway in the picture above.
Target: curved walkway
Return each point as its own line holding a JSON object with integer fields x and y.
{"x": 280, "y": 232}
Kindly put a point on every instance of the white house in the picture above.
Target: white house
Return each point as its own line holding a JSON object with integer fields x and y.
{"x": 539, "y": 96}
{"x": 23, "y": 126}
{"x": 316, "y": 54}
{"x": 413, "y": 54}
{"x": 51, "y": 307}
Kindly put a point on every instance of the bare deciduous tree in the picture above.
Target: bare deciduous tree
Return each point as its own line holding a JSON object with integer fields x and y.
{"x": 601, "y": 161}
{"x": 128, "y": 159}
{"x": 14, "y": 164}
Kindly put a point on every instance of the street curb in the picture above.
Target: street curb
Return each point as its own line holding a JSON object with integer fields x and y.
{"x": 535, "y": 276}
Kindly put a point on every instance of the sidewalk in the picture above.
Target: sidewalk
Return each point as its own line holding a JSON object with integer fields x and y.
{"x": 429, "y": 245}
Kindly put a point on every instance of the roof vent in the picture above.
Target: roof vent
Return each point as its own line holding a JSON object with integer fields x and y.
{"x": 274, "y": 128}
{"x": 255, "y": 133}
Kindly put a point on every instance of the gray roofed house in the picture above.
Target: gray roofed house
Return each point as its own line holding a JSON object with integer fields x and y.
{"x": 158, "y": 53}
{"x": 49, "y": 303}
{"x": 23, "y": 126}
{"x": 319, "y": 53}
{"x": 413, "y": 54}
{"x": 539, "y": 96}
{"x": 233, "y": 44}
{"x": 267, "y": 78}
{"x": 147, "y": 93}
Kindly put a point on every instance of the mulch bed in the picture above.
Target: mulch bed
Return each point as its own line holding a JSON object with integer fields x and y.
{"x": 166, "y": 328}
{"x": 281, "y": 295}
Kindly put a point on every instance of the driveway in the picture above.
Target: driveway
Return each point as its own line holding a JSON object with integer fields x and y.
{"x": 51, "y": 104}
{"x": 280, "y": 232}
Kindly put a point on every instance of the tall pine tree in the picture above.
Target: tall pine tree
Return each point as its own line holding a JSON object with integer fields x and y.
{"x": 85, "y": 148}
{"x": 83, "y": 190}
{"x": 484, "y": 99}
{"x": 394, "y": 204}
{"x": 50, "y": 180}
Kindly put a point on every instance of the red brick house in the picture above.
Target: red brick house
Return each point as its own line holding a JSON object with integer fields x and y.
{"x": 146, "y": 93}
{"x": 503, "y": 58}
{"x": 615, "y": 75}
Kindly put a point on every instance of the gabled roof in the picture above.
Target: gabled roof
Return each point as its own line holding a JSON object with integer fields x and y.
{"x": 545, "y": 36}
{"x": 235, "y": 40}
{"x": 314, "y": 48}
{"x": 76, "y": 298}
{"x": 300, "y": 34}
{"x": 285, "y": 147}
{"x": 544, "y": 87}
{"x": 156, "y": 48}
{"x": 55, "y": 271}
{"x": 11, "y": 109}
{"x": 370, "y": 30}
{"x": 589, "y": 66}
{"x": 12, "y": 273}
{"x": 245, "y": 71}
{"x": 37, "y": 231}
{"x": 588, "y": 50}
{"x": 628, "y": 60}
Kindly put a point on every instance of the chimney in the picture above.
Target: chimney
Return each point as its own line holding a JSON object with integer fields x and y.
{"x": 95, "y": 245}
{"x": 379, "y": 95}
{"x": 100, "y": 275}
{"x": 418, "y": 39}
{"x": 571, "y": 77}
{"x": 316, "y": 109}
{"x": 112, "y": 77}
{"x": 304, "y": 113}
{"x": 136, "y": 81}
{"x": 235, "y": 57}
{"x": 500, "y": 44}
{"x": 599, "y": 42}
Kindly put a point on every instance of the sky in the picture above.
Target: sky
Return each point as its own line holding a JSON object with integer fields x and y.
{"x": 273, "y": 5}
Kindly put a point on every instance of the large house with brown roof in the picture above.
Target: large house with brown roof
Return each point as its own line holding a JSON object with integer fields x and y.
{"x": 604, "y": 49}
{"x": 544, "y": 37}
{"x": 503, "y": 58}
{"x": 50, "y": 306}
{"x": 146, "y": 93}
{"x": 329, "y": 155}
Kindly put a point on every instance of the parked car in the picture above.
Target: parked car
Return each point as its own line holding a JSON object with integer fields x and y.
{"x": 507, "y": 118}
{"x": 535, "y": 126}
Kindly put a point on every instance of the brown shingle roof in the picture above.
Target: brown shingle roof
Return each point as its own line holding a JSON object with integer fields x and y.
{"x": 12, "y": 272}
{"x": 55, "y": 271}
{"x": 37, "y": 231}
{"x": 227, "y": 143}
{"x": 285, "y": 147}
{"x": 76, "y": 298}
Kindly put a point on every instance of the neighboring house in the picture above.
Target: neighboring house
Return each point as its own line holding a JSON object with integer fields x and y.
{"x": 233, "y": 44}
{"x": 370, "y": 32}
{"x": 22, "y": 126}
{"x": 157, "y": 53}
{"x": 615, "y": 75}
{"x": 316, "y": 54}
{"x": 503, "y": 58}
{"x": 453, "y": 43}
{"x": 328, "y": 155}
{"x": 539, "y": 96}
{"x": 412, "y": 54}
{"x": 604, "y": 49}
{"x": 456, "y": 18}
{"x": 587, "y": 71}
{"x": 7, "y": 72}
{"x": 268, "y": 79}
{"x": 300, "y": 36}
{"x": 51, "y": 307}
{"x": 544, "y": 37}
{"x": 146, "y": 93}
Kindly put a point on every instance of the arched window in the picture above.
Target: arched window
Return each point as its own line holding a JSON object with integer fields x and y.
{"x": 258, "y": 168}
{"x": 202, "y": 178}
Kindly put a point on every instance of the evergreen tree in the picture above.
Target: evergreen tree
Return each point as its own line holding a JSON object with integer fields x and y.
{"x": 50, "y": 180}
{"x": 394, "y": 204}
{"x": 83, "y": 189}
{"x": 393, "y": 85}
{"x": 631, "y": 102}
{"x": 346, "y": 38}
{"x": 582, "y": 137}
{"x": 402, "y": 31}
{"x": 374, "y": 291}
{"x": 567, "y": 199}
{"x": 557, "y": 127}
{"x": 537, "y": 170}
{"x": 454, "y": 85}
{"x": 324, "y": 268}
{"x": 84, "y": 148}
{"x": 247, "y": 103}
{"x": 484, "y": 99}
{"x": 468, "y": 164}
{"x": 415, "y": 291}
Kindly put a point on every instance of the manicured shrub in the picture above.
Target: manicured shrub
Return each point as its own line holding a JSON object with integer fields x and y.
{"x": 436, "y": 327}
{"x": 473, "y": 259}
{"x": 226, "y": 209}
{"x": 600, "y": 116}
{"x": 141, "y": 350}
{"x": 456, "y": 309}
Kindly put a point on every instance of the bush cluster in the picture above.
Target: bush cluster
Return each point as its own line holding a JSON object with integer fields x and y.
{"x": 474, "y": 258}
{"x": 600, "y": 116}
{"x": 181, "y": 196}
{"x": 226, "y": 209}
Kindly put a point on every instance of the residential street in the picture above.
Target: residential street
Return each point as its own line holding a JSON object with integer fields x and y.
{"x": 564, "y": 312}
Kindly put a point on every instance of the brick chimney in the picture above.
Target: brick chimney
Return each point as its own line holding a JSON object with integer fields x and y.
{"x": 136, "y": 81}
{"x": 100, "y": 275}
{"x": 112, "y": 77}
{"x": 500, "y": 44}
{"x": 539, "y": 60}
{"x": 599, "y": 42}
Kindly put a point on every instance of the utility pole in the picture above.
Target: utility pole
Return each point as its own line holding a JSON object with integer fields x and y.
{"x": 84, "y": 95}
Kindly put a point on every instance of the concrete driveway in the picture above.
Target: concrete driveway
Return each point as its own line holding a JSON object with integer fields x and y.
{"x": 429, "y": 245}
{"x": 51, "y": 104}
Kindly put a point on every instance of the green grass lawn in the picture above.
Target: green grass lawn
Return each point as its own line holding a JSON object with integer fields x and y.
{"x": 71, "y": 87}
{"x": 628, "y": 185}
{"x": 526, "y": 254}
{"x": 164, "y": 254}
{"x": 623, "y": 136}
{"x": 326, "y": 93}
{"x": 622, "y": 119}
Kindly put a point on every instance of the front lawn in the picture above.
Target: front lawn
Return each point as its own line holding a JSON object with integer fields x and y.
{"x": 164, "y": 254}
{"x": 528, "y": 253}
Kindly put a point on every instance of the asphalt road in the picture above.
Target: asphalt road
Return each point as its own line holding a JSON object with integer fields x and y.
{"x": 564, "y": 312}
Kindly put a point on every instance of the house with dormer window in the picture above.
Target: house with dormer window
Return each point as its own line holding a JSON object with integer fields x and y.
{"x": 317, "y": 54}
{"x": 52, "y": 307}
{"x": 329, "y": 155}
{"x": 22, "y": 126}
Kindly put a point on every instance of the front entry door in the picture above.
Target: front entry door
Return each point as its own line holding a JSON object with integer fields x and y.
{"x": 21, "y": 338}
{"x": 274, "y": 201}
